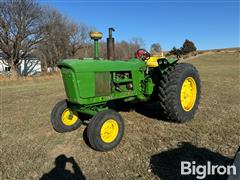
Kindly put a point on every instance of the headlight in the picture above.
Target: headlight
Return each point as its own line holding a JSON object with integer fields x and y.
{"x": 162, "y": 62}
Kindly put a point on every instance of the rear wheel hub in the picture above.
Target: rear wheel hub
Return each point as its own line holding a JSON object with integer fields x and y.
{"x": 188, "y": 93}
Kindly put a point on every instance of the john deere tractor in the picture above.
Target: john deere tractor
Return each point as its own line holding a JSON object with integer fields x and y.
{"x": 92, "y": 84}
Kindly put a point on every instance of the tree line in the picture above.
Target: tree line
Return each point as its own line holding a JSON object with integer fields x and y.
{"x": 187, "y": 47}
{"x": 28, "y": 28}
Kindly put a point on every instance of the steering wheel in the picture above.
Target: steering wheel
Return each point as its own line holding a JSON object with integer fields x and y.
{"x": 142, "y": 54}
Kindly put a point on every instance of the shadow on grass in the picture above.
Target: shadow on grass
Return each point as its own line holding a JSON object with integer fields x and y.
{"x": 60, "y": 173}
{"x": 167, "y": 165}
{"x": 150, "y": 109}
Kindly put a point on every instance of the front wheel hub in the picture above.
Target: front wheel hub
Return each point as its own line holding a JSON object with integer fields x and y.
{"x": 69, "y": 117}
{"x": 109, "y": 131}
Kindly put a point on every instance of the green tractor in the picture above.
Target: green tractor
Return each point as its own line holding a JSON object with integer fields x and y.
{"x": 91, "y": 85}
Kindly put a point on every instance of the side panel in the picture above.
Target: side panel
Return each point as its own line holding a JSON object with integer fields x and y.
{"x": 86, "y": 84}
{"x": 138, "y": 78}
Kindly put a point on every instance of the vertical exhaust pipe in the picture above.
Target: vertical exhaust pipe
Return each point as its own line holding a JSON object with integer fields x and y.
{"x": 110, "y": 45}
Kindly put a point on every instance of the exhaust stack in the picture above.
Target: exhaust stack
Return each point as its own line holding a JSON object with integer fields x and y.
{"x": 110, "y": 45}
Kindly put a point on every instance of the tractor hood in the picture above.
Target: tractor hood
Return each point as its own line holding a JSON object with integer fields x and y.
{"x": 77, "y": 65}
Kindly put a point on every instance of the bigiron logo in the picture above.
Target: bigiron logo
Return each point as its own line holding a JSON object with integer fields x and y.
{"x": 201, "y": 171}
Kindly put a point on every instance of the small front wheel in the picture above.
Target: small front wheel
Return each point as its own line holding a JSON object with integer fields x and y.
{"x": 63, "y": 118}
{"x": 105, "y": 130}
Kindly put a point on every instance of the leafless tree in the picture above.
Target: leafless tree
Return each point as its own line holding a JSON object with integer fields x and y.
{"x": 20, "y": 30}
{"x": 54, "y": 45}
{"x": 78, "y": 37}
{"x": 125, "y": 49}
{"x": 155, "y": 49}
{"x": 62, "y": 38}
{"x": 136, "y": 43}
{"x": 28, "y": 28}
{"x": 103, "y": 49}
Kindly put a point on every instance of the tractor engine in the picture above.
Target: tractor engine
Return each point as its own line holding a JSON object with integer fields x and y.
{"x": 122, "y": 81}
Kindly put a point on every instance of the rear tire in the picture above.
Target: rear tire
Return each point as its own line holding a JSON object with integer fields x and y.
{"x": 179, "y": 92}
{"x": 63, "y": 118}
{"x": 105, "y": 130}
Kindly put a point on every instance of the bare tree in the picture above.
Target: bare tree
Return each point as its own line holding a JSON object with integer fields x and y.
{"x": 155, "y": 49}
{"x": 62, "y": 38}
{"x": 103, "y": 49}
{"x": 20, "y": 32}
{"x": 125, "y": 49}
{"x": 78, "y": 37}
{"x": 136, "y": 43}
{"x": 54, "y": 45}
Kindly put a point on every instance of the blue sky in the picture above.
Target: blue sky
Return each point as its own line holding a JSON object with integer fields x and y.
{"x": 209, "y": 23}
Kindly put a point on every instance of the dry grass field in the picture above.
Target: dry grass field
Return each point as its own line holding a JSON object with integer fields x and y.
{"x": 151, "y": 148}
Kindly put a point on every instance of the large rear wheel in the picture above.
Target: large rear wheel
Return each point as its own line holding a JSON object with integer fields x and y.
{"x": 179, "y": 92}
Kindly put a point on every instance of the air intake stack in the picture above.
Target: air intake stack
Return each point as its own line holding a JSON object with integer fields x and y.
{"x": 96, "y": 36}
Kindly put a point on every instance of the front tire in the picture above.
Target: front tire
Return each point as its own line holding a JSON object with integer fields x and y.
{"x": 179, "y": 92}
{"x": 105, "y": 130}
{"x": 63, "y": 118}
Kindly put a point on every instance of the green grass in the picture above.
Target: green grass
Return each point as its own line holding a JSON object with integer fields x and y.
{"x": 29, "y": 145}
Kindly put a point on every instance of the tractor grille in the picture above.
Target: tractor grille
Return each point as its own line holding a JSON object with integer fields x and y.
{"x": 102, "y": 83}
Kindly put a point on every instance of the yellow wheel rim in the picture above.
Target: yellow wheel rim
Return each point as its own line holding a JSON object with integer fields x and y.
{"x": 109, "y": 131}
{"x": 188, "y": 93}
{"x": 69, "y": 117}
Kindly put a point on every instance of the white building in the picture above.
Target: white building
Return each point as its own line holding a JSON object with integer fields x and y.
{"x": 29, "y": 66}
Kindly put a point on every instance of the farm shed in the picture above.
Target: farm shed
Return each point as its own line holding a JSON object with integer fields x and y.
{"x": 29, "y": 66}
